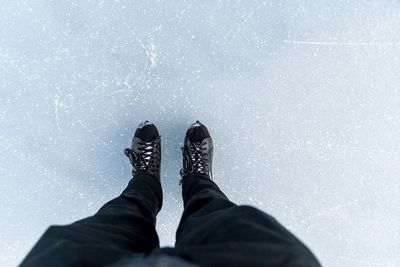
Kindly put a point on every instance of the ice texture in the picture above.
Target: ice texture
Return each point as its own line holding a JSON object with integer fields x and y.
{"x": 302, "y": 99}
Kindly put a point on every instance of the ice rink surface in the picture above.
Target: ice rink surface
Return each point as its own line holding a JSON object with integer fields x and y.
{"x": 302, "y": 99}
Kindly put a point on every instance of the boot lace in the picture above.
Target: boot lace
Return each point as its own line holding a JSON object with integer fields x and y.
{"x": 147, "y": 157}
{"x": 196, "y": 160}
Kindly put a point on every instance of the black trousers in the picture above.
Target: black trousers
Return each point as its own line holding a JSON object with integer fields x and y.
{"x": 212, "y": 232}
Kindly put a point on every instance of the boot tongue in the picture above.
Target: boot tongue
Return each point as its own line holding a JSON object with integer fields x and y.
{"x": 147, "y": 132}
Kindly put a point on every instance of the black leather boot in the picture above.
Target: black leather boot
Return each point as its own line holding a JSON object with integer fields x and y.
{"x": 197, "y": 151}
{"x": 145, "y": 152}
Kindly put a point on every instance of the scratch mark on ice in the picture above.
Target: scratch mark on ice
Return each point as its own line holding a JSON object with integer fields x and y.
{"x": 57, "y": 105}
{"x": 310, "y": 220}
{"x": 174, "y": 199}
{"x": 352, "y": 259}
{"x": 171, "y": 19}
{"x": 28, "y": 159}
{"x": 84, "y": 126}
{"x": 321, "y": 43}
{"x": 152, "y": 53}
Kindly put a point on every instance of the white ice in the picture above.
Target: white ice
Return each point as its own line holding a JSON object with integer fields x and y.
{"x": 302, "y": 99}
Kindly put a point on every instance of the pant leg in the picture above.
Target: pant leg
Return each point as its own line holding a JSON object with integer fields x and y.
{"x": 215, "y": 232}
{"x": 123, "y": 226}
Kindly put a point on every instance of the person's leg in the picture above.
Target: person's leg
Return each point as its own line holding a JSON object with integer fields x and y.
{"x": 123, "y": 226}
{"x": 201, "y": 197}
{"x": 215, "y": 232}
